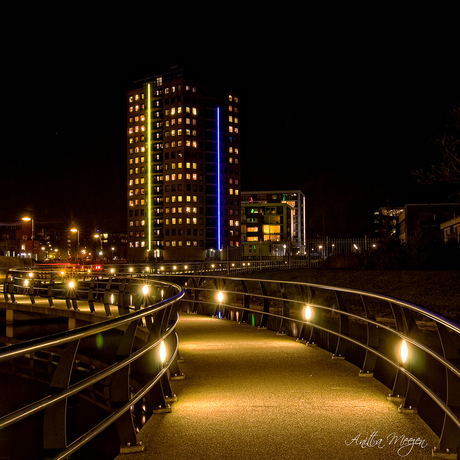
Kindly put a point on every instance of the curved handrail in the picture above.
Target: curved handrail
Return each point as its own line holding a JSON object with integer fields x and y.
{"x": 158, "y": 318}
{"x": 371, "y": 343}
{"x": 406, "y": 379}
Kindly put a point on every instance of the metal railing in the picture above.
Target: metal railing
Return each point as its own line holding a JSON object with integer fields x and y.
{"x": 130, "y": 377}
{"x": 411, "y": 350}
{"x": 370, "y": 330}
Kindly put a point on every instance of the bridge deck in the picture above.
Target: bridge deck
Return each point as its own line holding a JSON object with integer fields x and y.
{"x": 251, "y": 394}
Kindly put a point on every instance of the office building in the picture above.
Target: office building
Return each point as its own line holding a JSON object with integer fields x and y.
{"x": 266, "y": 229}
{"x": 296, "y": 199}
{"x": 183, "y": 169}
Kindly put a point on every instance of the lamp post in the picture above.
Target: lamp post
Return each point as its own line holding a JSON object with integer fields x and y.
{"x": 75, "y": 230}
{"x": 97, "y": 236}
{"x": 31, "y": 219}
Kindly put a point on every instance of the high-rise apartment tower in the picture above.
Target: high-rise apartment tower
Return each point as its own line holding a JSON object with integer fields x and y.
{"x": 184, "y": 175}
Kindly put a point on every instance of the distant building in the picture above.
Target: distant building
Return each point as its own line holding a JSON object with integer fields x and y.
{"x": 183, "y": 154}
{"x": 451, "y": 230}
{"x": 418, "y": 218}
{"x": 386, "y": 222}
{"x": 296, "y": 199}
{"x": 266, "y": 229}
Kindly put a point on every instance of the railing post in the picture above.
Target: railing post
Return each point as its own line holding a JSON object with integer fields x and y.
{"x": 55, "y": 418}
{"x": 244, "y": 313}
{"x": 372, "y": 340}
{"x": 120, "y": 388}
{"x": 343, "y": 328}
{"x": 264, "y": 318}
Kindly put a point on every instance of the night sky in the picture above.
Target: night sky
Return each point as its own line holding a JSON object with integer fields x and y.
{"x": 340, "y": 103}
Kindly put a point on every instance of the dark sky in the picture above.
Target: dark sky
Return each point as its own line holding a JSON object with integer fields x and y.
{"x": 340, "y": 103}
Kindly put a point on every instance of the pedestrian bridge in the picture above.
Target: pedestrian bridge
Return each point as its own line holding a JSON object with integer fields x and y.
{"x": 272, "y": 370}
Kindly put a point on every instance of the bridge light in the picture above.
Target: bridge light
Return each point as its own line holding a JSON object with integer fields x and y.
{"x": 220, "y": 296}
{"x": 31, "y": 275}
{"x": 147, "y": 269}
{"x": 26, "y": 283}
{"x": 145, "y": 289}
{"x": 404, "y": 351}
{"x": 308, "y": 312}
{"x": 130, "y": 269}
{"x": 162, "y": 352}
{"x": 71, "y": 284}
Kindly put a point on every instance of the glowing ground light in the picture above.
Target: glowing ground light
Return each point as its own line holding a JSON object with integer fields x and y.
{"x": 162, "y": 352}
{"x": 220, "y": 296}
{"x": 145, "y": 289}
{"x": 308, "y": 312}
{"x": 404, "y": 351}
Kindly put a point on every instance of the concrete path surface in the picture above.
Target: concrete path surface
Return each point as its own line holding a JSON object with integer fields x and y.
{"x": 252, "y": 394}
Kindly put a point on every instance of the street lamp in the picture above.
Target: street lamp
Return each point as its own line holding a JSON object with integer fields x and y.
{"x": 75, "y": 230}
{"x": 96, "y": 235}
{"x": 31, "y": 219}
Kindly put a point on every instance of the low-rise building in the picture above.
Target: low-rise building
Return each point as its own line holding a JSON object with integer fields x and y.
{"x": 418, "y": 218}
{"x": 296, "y": 200}
{"x": 266, "y": 229}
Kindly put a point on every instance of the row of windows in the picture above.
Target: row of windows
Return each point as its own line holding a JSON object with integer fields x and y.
{"x": 136, "y": 108}
{"x": 137, "y": 223}
{"x": 187, "y": 177}
{"x": 136, "y": 160}
{"x": 179, "y": 132}
{"x": 180, "y": 198}
{"x": 136, "y": 192}
{"x": 187, "y": 243}
{"x": 187, "y": 209}
{"x": 136, "y": 181}
{"x": 177, "y": 110}
{"x": 178, "y": 120}
{"x": 137, "y": 203}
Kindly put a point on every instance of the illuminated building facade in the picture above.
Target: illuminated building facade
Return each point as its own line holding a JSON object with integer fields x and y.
{"x": 183, "y": 151}
{"x": 266, "y": 229}
{"x": 296, "y": 200}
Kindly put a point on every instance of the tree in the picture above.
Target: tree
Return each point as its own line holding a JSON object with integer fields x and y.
{"x": 447, "y": 168}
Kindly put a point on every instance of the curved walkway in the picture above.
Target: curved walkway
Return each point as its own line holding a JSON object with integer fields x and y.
{"x": 252, "y": 394}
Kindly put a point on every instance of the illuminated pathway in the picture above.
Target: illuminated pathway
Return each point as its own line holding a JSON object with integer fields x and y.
{"x": 252, "y": 394}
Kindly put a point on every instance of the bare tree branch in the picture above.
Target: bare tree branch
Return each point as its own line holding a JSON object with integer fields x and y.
{"x": 447, "y": 168}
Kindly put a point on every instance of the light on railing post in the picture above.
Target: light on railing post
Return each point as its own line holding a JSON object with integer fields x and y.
{"x": 71, "y": 284}
{"x": 162, "y": 352}
{"x": 220, "y": 299}
{"x": 404, "y": 351}
{"x": 308, "y": 313}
